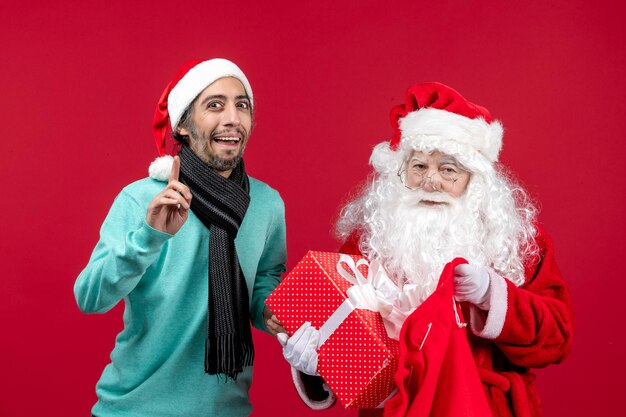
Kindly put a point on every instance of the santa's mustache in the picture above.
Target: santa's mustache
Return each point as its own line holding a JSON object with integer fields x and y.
{"x": 414, "y": 197}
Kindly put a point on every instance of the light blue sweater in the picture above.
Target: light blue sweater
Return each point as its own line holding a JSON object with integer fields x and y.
{"x": 157, "y": 365}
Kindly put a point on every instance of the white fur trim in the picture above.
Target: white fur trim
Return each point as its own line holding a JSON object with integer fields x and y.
{"x": 491, "y": 326}
{"x": 161, "y": 167}
{"x": 384, "y": 159}
{"x": 439, "y": 127}
{"x": 196, "y": 80}
{"x": 315, "y": 405}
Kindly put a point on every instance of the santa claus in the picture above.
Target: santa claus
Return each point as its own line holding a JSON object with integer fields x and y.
{"x": 438, "y": 193}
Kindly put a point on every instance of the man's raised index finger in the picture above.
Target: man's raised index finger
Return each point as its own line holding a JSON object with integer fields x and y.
{"x": 175, "y": 169}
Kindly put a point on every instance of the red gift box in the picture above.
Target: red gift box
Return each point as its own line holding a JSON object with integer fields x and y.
{"x": 356, "y": 357}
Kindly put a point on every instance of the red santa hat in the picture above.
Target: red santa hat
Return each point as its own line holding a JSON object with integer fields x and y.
{"x": 190, "y": 80}
{"x": 436, "y": 117}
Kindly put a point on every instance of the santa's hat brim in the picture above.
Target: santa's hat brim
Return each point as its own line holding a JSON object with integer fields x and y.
{"x": 441, "y": 129}
{"x": 474, "y": 143}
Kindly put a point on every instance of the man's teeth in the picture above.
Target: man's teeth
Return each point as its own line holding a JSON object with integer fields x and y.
{"x": 232, "y": 140}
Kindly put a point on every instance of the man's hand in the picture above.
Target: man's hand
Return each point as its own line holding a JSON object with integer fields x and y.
{"x": 168, "y": 210}
{"x": 300, "y": 350}
{"x": 471, "y": 284}
{"x": 272, "y": 323}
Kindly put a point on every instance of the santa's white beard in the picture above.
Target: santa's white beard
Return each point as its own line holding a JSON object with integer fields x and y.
{"x": 414, "y": 241}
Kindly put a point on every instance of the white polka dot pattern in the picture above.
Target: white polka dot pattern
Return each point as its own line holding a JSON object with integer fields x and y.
{"x": 358, "y": 361}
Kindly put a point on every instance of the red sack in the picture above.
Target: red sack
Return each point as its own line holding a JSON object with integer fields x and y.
{"x": 437, "y": 375}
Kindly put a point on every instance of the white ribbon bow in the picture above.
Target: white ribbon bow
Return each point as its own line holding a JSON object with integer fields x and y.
{"x": 377, "y": 292}
{"x": 362, "y": 294}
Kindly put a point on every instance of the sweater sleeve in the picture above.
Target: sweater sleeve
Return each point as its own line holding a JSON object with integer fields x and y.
{"x": 127, "y": 247}
{"x": 534, "y": 326}
{"x": 271, "y": 265}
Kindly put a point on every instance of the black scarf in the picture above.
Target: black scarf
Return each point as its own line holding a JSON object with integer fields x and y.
{"x": 221, "y": 203}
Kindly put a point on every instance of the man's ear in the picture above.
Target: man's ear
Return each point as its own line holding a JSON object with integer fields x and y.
{"x": 182, "y": 130}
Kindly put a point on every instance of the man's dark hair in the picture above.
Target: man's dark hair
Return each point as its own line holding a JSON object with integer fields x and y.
{"x": 185, "y": 121}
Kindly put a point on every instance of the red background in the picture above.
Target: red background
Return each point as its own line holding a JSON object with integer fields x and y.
{"x": 79, "y": 81}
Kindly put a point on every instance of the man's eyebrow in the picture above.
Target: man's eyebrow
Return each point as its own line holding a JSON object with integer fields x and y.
{"x": 207, "y": 98}
{"x": 223, "y": 97}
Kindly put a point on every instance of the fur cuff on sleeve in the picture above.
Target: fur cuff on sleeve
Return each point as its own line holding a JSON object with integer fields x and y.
{"x": 488, "y": 325}
{"x": 313, "y": 391}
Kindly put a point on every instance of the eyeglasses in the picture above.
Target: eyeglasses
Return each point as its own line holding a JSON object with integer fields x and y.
{"x": 415, "y": 175}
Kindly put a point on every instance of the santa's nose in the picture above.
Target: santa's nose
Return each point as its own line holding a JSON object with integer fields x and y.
{"x": 431, "y": 183}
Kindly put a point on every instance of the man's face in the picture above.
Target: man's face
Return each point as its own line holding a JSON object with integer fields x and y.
{"x": 220, "y": 123}
{"x": 433, "y": 173}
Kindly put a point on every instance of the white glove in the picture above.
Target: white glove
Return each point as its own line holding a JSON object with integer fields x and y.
{"x": 300, "y": 350}
{"x": 471, "y": 284}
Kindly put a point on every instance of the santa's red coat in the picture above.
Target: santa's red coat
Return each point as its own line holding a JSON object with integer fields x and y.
{"x": 526, "y": 327}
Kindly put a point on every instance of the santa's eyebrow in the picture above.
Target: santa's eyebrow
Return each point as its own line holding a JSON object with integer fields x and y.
{"x": 449, "y": 160}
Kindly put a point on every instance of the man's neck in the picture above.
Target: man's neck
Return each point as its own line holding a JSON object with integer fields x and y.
{"x": 225, "y": 174}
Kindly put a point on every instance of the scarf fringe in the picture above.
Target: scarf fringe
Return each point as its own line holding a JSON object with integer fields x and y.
{"x": 227, "y": 357}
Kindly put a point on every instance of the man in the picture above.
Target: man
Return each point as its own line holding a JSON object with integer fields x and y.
{"x": 438, "y": 194}
{"x": 192, "y": 280}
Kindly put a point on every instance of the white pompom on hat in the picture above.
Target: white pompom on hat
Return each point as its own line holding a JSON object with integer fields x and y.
{"x": 436, "y": 117}
{"x": 161, "y": 168}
